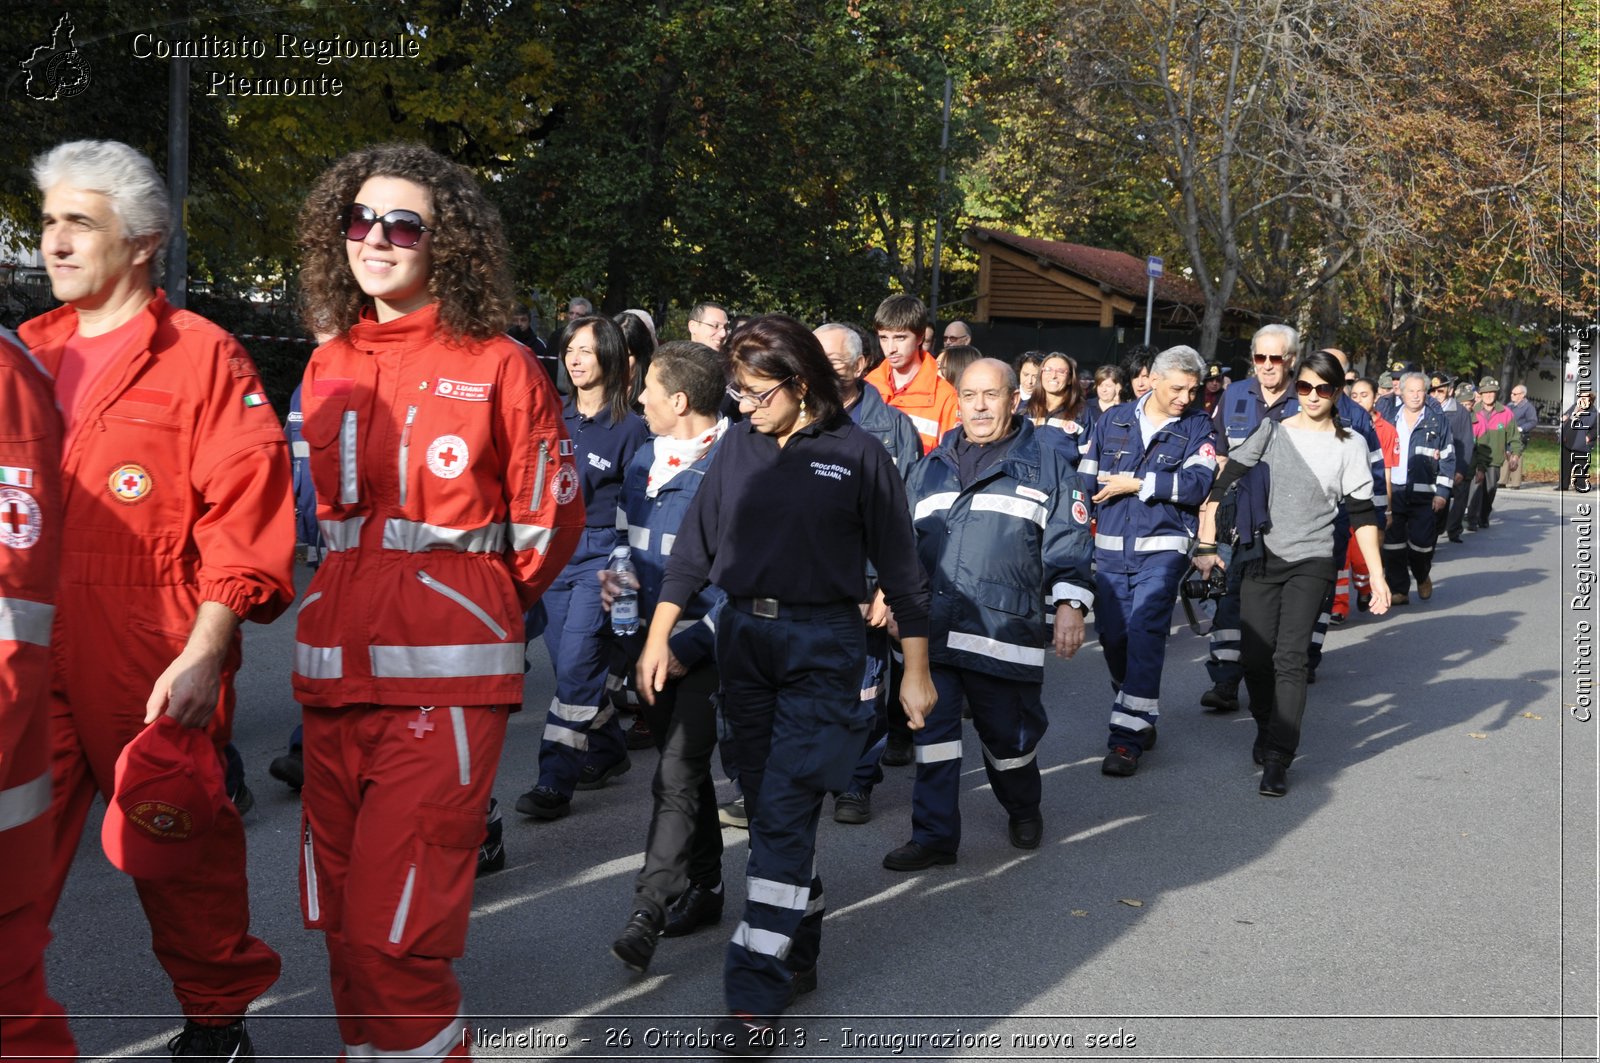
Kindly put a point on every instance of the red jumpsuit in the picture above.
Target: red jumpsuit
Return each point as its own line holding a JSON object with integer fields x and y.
{"x": 447, "y": 502}
{"x": 177, "y": 491}
{"x": 30, "y": 553}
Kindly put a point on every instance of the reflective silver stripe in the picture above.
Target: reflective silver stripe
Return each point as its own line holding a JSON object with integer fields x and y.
{"x": 446, "y": 662}
{"x": 639, "y": 538}
{"x": 1071, "y": 592}
{"x": 934, "y": 504}
{"x": 1424, "y": 489}
{"x": 1148, "y": 543}
{"x": 341, "y": 534}
{"x": 25, "y": 621}
{"x": 1010, "y": 763}
{"x": 318, "y": 662}
{"x": 869, "y": 693}
{"x": 777, "y": 894}
{"x": 462, "y": 600}
{"x": 1445, "y": 481}
{"x": 1225, "y": 655}
{"x": 666, "y": 544}
{"x": 458, "y": 723}
{"x": 300, "y": 449}
{"x": 924, "y": 425}
{"x": 539, "y": 474}
{"x": 622, "y": 519}
{"x": 554, "y": 732}
{"x": 1128, "y": 701}
{"x": 415, "y": 537}
{"x": 1000, "y": 651}
{"x": 936, "y": 752}
{"x": 405, "y": 453}
{"x": 1088, "y": 467}
{"x": 437, "y": 1048}
{"x": 314, "y": 596}
{"x": 817, "y": 904}
{"x": 25, "y": 802}
{"x": 1201, "y": 459}
{"x": 1107, "y": 542}
{"x": 530, "y": 537}
{"x": 1374, "y": 456}
{"x": 398, "y": 927}
{"x": 348, "y": 444}
{"x": 1226, "y": 634}
{"x": 1394, "y": 546}
{"x": 1420, "y": 549}
{"x": 1317, "y": 635}
{"x": 1129, "y": 723}
{"x": 1016, "y": 507}
{"x": 573, "y": 713}
{"x": 762, "y": 942}
{"x": 313, "y": 902}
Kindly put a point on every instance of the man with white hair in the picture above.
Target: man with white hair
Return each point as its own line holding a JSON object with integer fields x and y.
{"x": 1150, "y": 465}
{"x": 179, "y": 524}
{"x": 1421, "y": 483}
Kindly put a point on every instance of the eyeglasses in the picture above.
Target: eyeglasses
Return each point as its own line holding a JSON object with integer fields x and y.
{"x": 1263, "y": 359}
{"x": 1324, "y": 391}
{"x": 761, "y": 401}
{"x": 714, "y": 326}
{"x": 402, "y": 228}
{"x": 955, "y": 337}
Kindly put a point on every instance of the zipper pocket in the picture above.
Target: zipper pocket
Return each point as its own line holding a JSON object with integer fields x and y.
{"x": 538, "y": 480}
{"x": 462, "y": 600}
{"x": 405, "y": 450}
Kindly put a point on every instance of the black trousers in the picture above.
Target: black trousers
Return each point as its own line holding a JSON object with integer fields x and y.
{"x": 1278, "y": 606}
{"x": 1450, "y": 518}
{"x": 1483, "y": 492}
{"x": 685, "y": 841}
{"x": 1409, "y": 540}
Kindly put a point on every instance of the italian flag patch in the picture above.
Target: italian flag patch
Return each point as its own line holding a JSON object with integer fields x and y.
{"x": 12, "y": 476}
{"x": 255, "y": 398}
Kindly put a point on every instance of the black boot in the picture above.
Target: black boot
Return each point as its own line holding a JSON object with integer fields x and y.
{"x": 1274, "y": 775}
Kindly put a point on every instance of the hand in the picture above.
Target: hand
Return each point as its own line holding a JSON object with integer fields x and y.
{"x": 917, "y": 696}
{"x": 1439, "y": 503}
{"x": 653, "y": 670}
{"x": 877, "y": 613}
{"x": 1204, "y": 563}
{"x": 610, "y": 587}
{"x": 1388, "y": 519}
{"x": 1460, "y": 478}
{"x": 891, "y": 624}
{"x": 1069, "y": 630}
{"x": 1380, "y": 594}
{"x": 1116, "y": 485}
{"x": 187, "y": 691}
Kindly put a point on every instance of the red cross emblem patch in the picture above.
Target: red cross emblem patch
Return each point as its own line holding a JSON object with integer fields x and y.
{"x": 447, "y": 457}
{"x": 130, "y": 483}
{"x": 19, "y": 518}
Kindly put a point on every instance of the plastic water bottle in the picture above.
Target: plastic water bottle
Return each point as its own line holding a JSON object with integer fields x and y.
{"x": 625, "y": 606}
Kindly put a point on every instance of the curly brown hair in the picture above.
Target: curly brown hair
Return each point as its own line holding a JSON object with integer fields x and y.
{"x": 469, "y": 276}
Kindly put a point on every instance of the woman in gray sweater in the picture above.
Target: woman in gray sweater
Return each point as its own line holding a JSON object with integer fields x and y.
{"x": 1307, "y": 465}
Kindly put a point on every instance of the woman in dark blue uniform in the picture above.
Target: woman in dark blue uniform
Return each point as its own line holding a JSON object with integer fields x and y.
{"x": 797, "y": 502}
{"x": 583, "y": 744}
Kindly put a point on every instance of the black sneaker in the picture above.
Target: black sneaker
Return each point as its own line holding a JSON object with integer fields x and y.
{"x": 853, "y": 807}
{"x": 541, "y": 802}
{"x": 1122, "y": 760}
{"x": 230, "y": 1042}
{"x": 492, "y": 853}
{"x": 743, "y": 1034}
{"x": 914, "y": 856}
{"x": 897, "y": 752}
{"x": 242, "y": 798}
{"x": 592, "y": 777}
{"x": 289, "y": 769}
{"x": 637, "y": 943}
{"x": 695, "y": 907}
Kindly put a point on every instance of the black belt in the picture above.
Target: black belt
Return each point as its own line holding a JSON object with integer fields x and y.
{"x": 772, "y": 609}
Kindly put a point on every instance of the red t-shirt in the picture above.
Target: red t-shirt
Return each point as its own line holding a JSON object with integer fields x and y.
{"x": 83, "y": 360}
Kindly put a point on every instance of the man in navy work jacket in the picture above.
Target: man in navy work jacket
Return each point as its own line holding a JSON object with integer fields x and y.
{"x": 1002, "y": 529}
{"x": 1151, "y": 463}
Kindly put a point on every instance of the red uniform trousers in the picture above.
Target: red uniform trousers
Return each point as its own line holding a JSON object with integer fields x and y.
{"x": 107, "y": 661}
{"x": 393, "y": 812}
{"x": 1354, "y": 581}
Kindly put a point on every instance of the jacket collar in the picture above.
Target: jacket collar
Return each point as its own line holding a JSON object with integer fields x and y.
{"x": 47, "y": 334}
{"x": 370, "y": 336}
{"x": 1021, "y": 462}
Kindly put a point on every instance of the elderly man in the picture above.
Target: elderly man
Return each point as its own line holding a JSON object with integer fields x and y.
{"x": 1457, "y": 410}
{"x": 1150, "y": 463}
{"x": 1003, "y": 532}
{"x": 956, "y": 334}
{"x": 1421, "y": 484}
{"x": 708, "y": 324}
{"x": 179, "y": 524}
{"x": 1496, "y": 442}
{"x": 1527, "y": 418}
{"x": 1243, "y": 406}
{"x": 845, "y": 348}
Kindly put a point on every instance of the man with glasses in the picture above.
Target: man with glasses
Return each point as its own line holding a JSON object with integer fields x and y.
{"x": 956, "y": 334}
{"x": 708, "y": 324}
{"x": 179, "y": 525}
{"x": 1244, "y": 405}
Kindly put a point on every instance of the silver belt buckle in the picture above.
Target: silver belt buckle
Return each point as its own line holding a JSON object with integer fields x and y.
{"x": 766, "y": 608}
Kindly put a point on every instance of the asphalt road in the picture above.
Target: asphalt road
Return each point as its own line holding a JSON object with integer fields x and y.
{"x": 1426, "y": 890}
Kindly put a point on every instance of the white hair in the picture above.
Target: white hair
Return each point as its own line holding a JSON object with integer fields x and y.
{"x": 852, "y": 338}
{"x": 1286, "y": 333}
{"x": 1179, "y": 359}
{"x": 1413, "y": 376}
{"x": 127, "y": 179}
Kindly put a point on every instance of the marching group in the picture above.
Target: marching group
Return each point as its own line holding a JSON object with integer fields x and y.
{"x": 840, "y": 549}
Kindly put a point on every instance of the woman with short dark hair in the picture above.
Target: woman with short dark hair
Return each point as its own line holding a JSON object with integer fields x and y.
{"x": 797, "y": 503}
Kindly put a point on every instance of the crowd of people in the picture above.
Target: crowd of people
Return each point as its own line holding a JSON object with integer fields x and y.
{"x": 839, "y": 548}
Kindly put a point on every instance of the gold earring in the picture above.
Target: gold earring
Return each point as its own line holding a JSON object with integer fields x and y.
{"x": 802, "y": 407}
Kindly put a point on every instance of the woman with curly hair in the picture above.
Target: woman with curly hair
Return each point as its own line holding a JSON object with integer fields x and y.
{"x": 447, "y": 504}
{"x": 1058, "y": 404}
{"x": 583, "y": 745}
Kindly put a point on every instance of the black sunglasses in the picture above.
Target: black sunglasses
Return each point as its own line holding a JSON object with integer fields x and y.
{"x": 1324, "y": 391}
{"x": 402, "y": 228}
